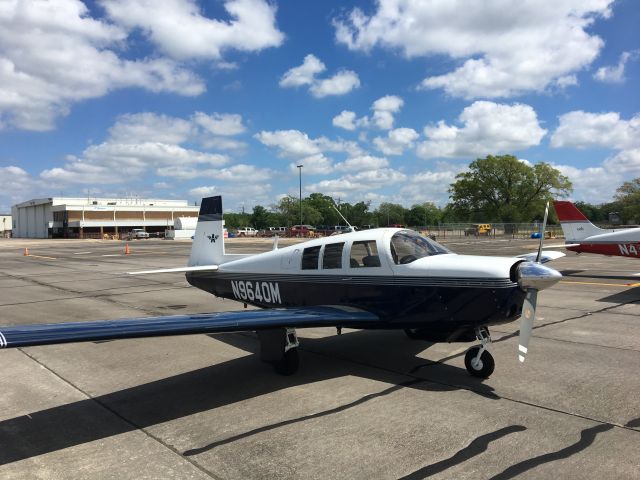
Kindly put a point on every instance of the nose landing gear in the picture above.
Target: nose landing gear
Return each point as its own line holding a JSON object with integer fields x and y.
{"x": 478, "y": 360}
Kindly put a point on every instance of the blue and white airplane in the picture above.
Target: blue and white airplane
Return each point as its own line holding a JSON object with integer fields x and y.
{"x": 387, "y": 278}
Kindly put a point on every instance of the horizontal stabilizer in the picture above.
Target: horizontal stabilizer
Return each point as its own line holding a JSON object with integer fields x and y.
{"x": 546, "y": 256}
{"x": 199, "y": 268}
{"x": 52, "y": 333}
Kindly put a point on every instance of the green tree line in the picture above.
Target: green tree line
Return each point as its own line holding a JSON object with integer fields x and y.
{"x": 493, "y": 189}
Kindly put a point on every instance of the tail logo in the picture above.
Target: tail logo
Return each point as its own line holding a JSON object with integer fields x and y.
{"x": 212, "y": 238}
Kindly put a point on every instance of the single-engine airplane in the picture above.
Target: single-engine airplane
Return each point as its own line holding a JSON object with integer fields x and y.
{"x": 583, "y": 236}
{"x": 387, "y": 278}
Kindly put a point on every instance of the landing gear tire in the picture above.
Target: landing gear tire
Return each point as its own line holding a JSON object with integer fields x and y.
{"x": 482, "y": 367}
{"x": 289, "y": 363}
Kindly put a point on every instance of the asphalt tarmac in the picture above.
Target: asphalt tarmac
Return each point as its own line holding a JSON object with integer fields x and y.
{"x": 364, "y": 405}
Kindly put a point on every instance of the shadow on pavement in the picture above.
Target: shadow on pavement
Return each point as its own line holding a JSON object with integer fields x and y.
{"x": 212, "y": 387}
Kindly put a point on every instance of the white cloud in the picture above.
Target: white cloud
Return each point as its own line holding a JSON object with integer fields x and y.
{"x": 362, "y": 162}
{"x": 249, "y": 195}
{"x": 179, "y": 29}
{"x": 225, "y": 124}
{"x": 347, "y": 120}
{"x": 487, "y": 128}
{"x": 236, "y": 173}
{"x": 55, "y": 54}
{"x": 615, "y": 73}
{"x": 581, "y": 129}
{"x": 144, "y": 143}
{"x": 429, "y": 185}
{"x": 306, "y": 74}
{"x": 316, "y": 164}
{"x": 17, "y": 186}
{"x": 506, "y": 50}
{"x": 291, "y": 143}
{"x": 150, "y": 127}
{"x": 626, "y": 162}
{"x": 397, "y": 141}
{"x": 593, "y": 184}
{"x": 297, "y": 144}
{"x": 383, "y": 110}
{"x": 341, "y": 83}
{"x": 364, "y": 181}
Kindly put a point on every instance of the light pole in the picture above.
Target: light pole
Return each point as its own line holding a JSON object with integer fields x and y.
{"x": 300, "y": 175}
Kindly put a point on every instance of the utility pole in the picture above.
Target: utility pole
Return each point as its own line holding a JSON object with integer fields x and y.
{"x": 300, "y": 175}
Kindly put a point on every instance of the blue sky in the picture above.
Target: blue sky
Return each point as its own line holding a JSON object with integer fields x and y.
{"x": 381, "y": 101}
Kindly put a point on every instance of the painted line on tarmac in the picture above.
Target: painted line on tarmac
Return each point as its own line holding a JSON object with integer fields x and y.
{"x": 604, "y": 284}
{"x": 41, "y": 256}
{"x": 82, "y": 253}
{"x": 113, "y": 255}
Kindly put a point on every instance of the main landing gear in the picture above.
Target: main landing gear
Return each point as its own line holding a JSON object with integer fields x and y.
{"x": 279, "y": 347}
{"x": 478, "y": 360}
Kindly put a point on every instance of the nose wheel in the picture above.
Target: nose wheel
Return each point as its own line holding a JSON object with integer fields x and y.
{"x": 478, "y": 360}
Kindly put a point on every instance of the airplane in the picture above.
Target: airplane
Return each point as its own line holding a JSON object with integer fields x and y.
{"x": 583, "y": 236}
{"x": 386, "y": 278}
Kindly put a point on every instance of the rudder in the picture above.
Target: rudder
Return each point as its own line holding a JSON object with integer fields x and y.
{"x": 208, "y": 241}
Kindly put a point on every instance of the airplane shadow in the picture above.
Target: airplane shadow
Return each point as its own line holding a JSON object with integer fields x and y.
{"x": 630, "y": 295}
{"x": 223, "y": 384}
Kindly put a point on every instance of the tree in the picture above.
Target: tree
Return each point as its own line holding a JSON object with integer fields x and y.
{"x": 628, "y": 195}
{"x": 390, "y": 214}
{"x": 425, "y": 214}
{"x": 260, "y": 218}
{"x": 506, "y": 189}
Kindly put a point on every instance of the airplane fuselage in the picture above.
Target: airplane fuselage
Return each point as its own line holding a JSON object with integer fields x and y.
{"x": 624, "y": 243}
{"x": 446, "y": 293}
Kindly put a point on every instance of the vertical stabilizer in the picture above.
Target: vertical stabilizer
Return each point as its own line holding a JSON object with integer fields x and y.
{"x": 574, "y": 224}
{"x": 208, "y": 241}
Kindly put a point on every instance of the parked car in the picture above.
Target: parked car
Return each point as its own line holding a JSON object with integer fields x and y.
{"x": 247, "y": 232}
{"x": 137, "y": 233}
{"x": 478, "y": 229}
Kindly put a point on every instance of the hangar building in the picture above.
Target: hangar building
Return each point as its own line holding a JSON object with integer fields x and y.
{"x": 95, "y": 217}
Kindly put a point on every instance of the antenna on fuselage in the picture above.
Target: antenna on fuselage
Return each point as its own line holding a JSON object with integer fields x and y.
{"x": 342, "y": 216}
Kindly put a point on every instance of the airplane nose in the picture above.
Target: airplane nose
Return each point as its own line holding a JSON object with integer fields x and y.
{"x": 537, "y": 276}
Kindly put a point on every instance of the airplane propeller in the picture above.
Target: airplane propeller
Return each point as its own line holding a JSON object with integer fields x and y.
{"x": 533, "y": 276}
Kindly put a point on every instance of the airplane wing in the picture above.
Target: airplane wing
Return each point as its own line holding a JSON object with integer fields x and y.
{"x": 305, "y": 317}
{"x": 544, "y": 258}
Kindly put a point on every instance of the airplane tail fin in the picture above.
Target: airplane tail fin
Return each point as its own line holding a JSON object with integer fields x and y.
{"x": 208, "y": 241}
{"x": 574, "y": 224}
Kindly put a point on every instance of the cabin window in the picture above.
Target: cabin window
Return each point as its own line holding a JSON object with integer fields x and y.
{"x": 364, "y": 254}
{"x": 310, "y": 258}
{"x": 332, "y": 257}
{"x": 407, "y": 246}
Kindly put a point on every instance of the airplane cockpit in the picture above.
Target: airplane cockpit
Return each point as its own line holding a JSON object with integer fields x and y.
{"x": 408, "y": 246}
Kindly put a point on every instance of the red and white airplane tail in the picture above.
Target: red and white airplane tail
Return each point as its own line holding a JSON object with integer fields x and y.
{"x": 574, "y": 224}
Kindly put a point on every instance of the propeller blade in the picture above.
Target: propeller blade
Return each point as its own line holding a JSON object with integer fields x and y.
{"x": 544, "y": 227}
{"x": 526, "y": 323}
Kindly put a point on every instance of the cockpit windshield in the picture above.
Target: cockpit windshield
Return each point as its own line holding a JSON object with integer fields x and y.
{"x": 408, "y": 246}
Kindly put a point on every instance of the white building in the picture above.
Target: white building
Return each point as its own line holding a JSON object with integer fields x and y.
{"x": 5, "y": 225}
{"x": 95, "y": 217}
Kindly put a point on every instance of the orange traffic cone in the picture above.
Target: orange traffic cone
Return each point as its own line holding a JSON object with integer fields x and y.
{"x": 26, "y": 252}
{"x": 126, "y": 249}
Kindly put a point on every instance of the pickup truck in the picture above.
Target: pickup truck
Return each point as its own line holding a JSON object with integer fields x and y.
{"x": 247, "y": 232}
{"x": 137, "y": 233}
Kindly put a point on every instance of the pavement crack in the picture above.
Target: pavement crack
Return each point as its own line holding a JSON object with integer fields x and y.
{"x": 132, "y": 424}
